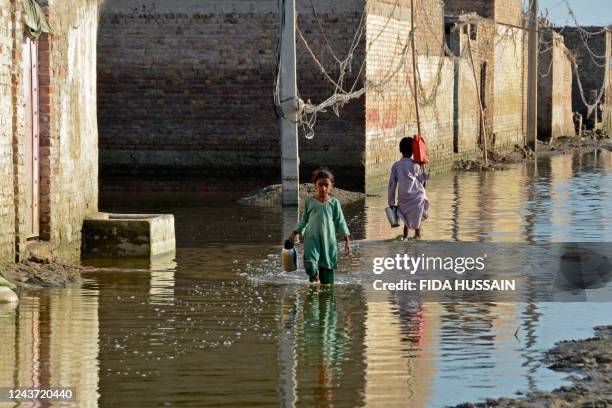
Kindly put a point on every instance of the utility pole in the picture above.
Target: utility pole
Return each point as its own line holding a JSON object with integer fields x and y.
{"x": 532, "y": 82}
{"x": 290, "y": 176}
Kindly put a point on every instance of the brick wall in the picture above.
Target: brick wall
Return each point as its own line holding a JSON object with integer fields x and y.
{"x": 66, "y": 112}
{"x": 470, "y": 91}
{"x": 607, "y": 115}
{"x": 180, "y": 88}
{"x": 502, "y": 11}
{"x": 339, "y": 141}
{"x": 185, "y": 91}
{"x": 555, "y": 89}
{"x": 591, "y": 68}
{"x": 484, "y": 8}
{"x": 390, "y": 108}
{"x": 509, "y": 12}
{"x": 7, "y": 215}
{"x": 503, "y": 47}
{"x": 18, "y": 129}
{"x": 451, "y": 119}
{"x": 510, "y": 89}
{"x": 70, "y": 143}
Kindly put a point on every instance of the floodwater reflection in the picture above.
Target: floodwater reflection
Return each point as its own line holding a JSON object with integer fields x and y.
{"x": 222, "y": 325}
{"x": 560, "y": 199}
{"x": 51, "y": 340}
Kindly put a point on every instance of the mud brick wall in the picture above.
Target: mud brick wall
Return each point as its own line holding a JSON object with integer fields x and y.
{"x": 484, "y": 8}
{"x": 18, "y": 103}
{"x": 69, "y": 135}
{"x": 185, "y": 91}
{"x": 555, "y": 89}
{"x": 510, "y": 86}
{"x": 591, "y": 68}
{"x": 20, "y": 152}
{"x": 7, "y": 215}
{"x": 502, "y": 11}
{"x": 506, "y": 70}
{"x": 66, "y": 112}
{"x": 390, "y": 109}
{"x": 509, "y": 12}
{"x": 68, "y": 131}
{"x": 607, "y": 114}
{"x": 468, "y": 83}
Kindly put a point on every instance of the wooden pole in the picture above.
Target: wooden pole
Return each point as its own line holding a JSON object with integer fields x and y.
{"x": 290, "y": 173}
{"x": 532, "y": 82}
{"x": 414, "y": 70}
{"x": 483, "y": 128}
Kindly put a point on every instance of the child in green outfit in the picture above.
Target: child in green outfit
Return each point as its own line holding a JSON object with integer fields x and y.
{"x": 321, "y": 220}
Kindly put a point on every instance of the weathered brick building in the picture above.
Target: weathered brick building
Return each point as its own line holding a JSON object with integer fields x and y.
{"x": 591, "y": 48}
{"x": 502, "y": 46}
{"x": 470, "y": 39}
{"x": 507, "y": 12}
{"x": 390, "y": 108}
{"x": 555, "y": 117}
{"x": 185, "y": 88}
{"x": 484, "y": 64}
{"x": 48, "y": 129}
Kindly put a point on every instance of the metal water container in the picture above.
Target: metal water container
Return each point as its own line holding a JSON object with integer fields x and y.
{"x": 392, "y": 216}
{"x": 289, "y": 256}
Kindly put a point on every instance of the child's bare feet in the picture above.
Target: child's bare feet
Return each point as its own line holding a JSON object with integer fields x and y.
{"x": 417, "y": 233}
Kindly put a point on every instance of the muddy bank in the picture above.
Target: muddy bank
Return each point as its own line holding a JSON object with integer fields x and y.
{"x": 271, "y": 195}
{"x": 592, "y": 141}
{"x": 36, "y": 275}
{"x": 590, "y": 363}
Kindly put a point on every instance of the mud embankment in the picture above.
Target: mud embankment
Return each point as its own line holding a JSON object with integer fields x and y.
{"x": 43, "y": 274}
{"x": 588, "y": 361}
{"x": 270, "y": 196}
{"x": 563, "y": 145}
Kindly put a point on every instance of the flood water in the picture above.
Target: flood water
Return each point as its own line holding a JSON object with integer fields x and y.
{"x": 220, "y": 325}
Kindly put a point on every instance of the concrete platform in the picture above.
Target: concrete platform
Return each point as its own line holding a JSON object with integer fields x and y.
{"x": 148, "y": 236}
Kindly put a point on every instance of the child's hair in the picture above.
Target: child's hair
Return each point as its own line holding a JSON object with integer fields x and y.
{"x": 322, "y": 172}
{"x": 406, "y": 146}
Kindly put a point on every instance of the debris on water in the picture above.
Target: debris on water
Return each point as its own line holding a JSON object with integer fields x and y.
{"x": 227, "y": 343}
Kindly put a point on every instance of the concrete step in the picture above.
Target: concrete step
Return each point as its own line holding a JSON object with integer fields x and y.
{"x": 108, "y": 235}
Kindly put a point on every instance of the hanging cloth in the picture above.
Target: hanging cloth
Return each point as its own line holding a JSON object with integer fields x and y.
{"x": 34, "y": 19}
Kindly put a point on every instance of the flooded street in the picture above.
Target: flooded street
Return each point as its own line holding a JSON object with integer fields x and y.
{"x": 221, "y": 325}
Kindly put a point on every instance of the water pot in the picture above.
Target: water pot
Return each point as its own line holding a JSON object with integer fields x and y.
{"x": 289, "y": 256}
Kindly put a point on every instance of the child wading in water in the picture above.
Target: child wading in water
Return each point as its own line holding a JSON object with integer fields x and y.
{"x": 321, "y": 220}
{"x": 408, "y": 178}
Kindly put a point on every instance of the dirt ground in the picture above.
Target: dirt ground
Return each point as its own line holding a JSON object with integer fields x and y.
{"x": 591, "y": 141}
{"x": 270, "y": 196}
{"x": 43, "y": 274}
{"x": 589, "y": 363}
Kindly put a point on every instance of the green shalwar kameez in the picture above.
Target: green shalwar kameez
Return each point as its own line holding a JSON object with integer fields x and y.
{"x": 319, "y": 224}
